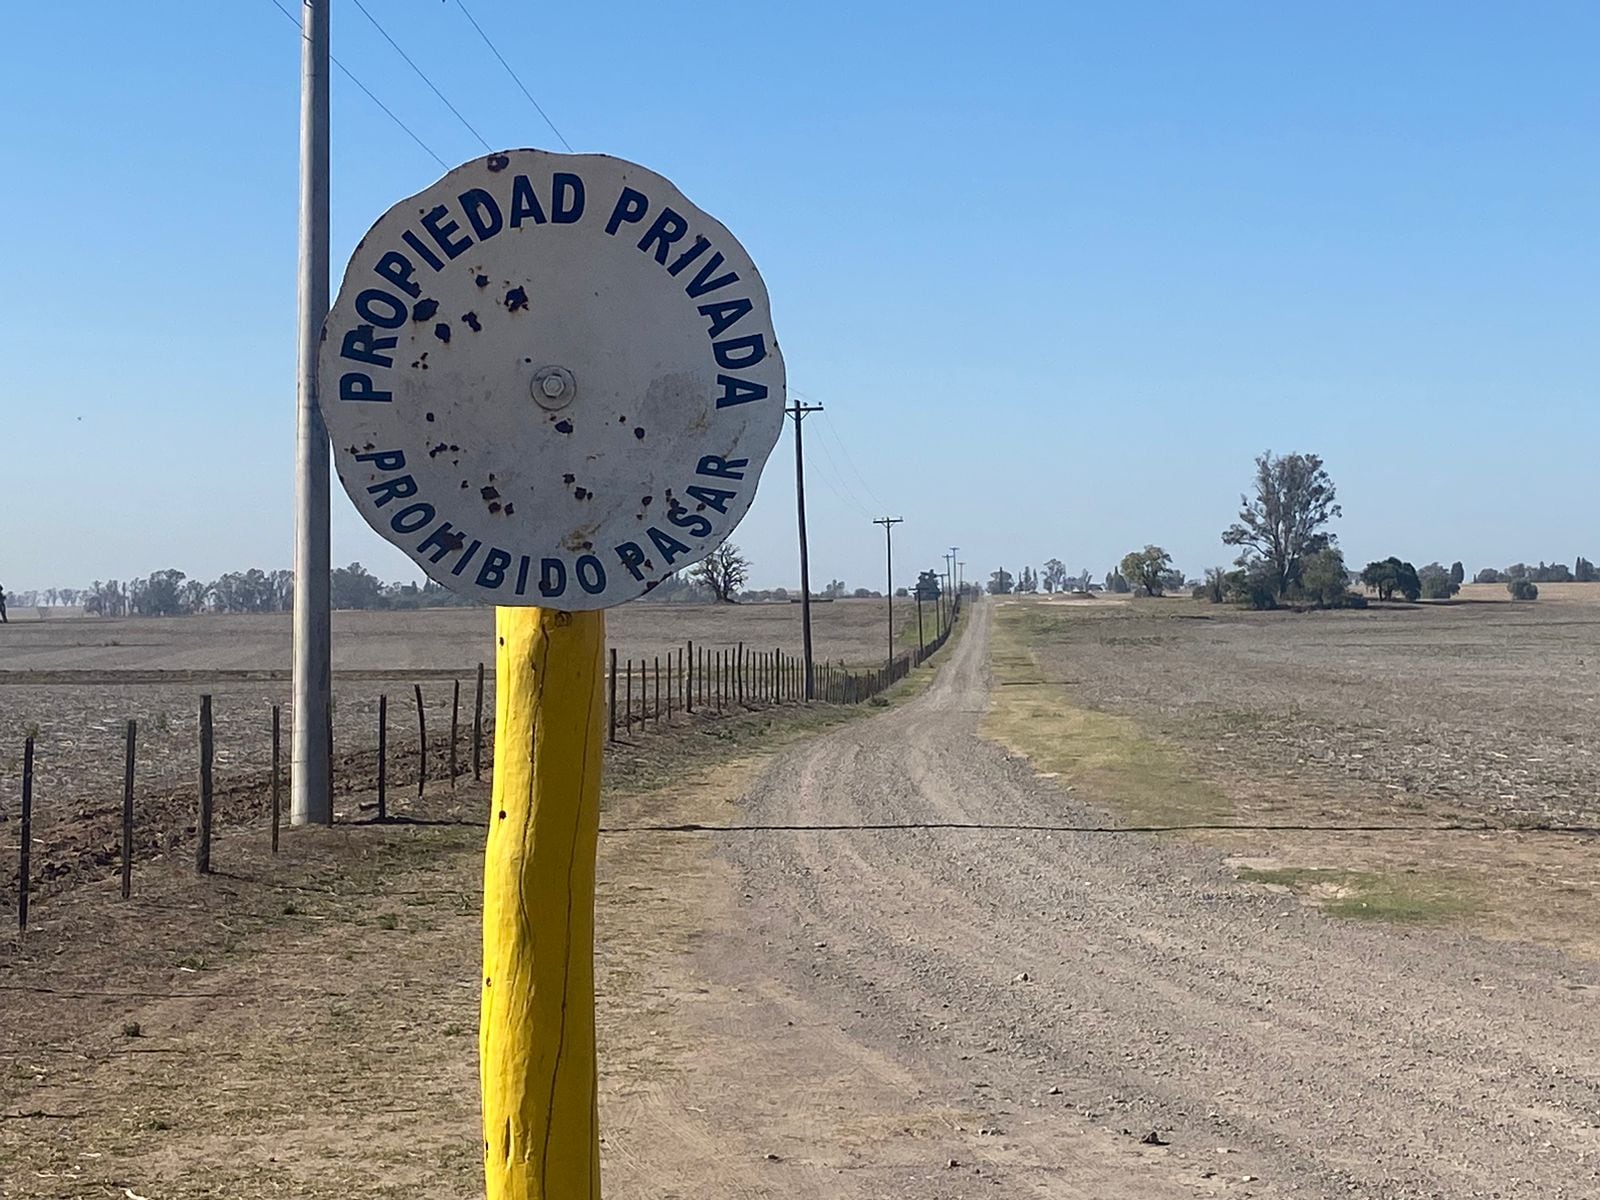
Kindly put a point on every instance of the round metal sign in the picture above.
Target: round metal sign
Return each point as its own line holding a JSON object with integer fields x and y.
{"x": 550, "y": 379}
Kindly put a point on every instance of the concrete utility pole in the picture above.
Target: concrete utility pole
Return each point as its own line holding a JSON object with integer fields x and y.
{"x": 888, "y": 524}
{"x": 798, "y": 412}
{"x": 311, "y": 799}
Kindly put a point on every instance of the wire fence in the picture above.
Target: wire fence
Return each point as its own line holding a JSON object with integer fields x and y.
{"x": 157, "y": 784}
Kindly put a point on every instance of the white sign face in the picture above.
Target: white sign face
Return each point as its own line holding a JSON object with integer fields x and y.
{"x": 550, "y": 379}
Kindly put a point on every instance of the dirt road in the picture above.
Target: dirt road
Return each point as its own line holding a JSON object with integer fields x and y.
{"x": 942, "y": 978}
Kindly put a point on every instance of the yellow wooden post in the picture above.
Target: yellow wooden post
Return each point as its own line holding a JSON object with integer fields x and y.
{"x": 536, "y": 1036}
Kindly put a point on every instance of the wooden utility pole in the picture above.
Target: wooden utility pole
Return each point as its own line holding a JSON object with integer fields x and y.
{"x": 888, "y": 524}
{"x": 537, "y": 1033}
{"x": 798, "y": 411}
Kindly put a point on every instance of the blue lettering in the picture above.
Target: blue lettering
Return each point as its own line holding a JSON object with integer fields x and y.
{"x": 412, "y": 518}
{"x": 698, "y": 524}
{"x": 398, "y": 310}
{"x": 632, "y": 557}
{"x": 703, "y": 283}
{"x": 397, "y": 488}
{"x": 738, "y": 391}
{"x": 353, "y": 385}
{"x": 384, "y": 460}
{"x": 493, "y": 572}
{"x": 427, "y": 256}
{"x": 669, "y": 546}
{"x": 396, "y": 268}
{"x": 443, "y": 540}
{"x": 434, "y": 221}
{"x": 669, "y": 227}
{"x": 722, "y": 468}
{"x": 715, "y": 497}
{"x": 482, "y": 213}
{"x": 522, "y": 575}
{"x": 524, "y": 204}
{"x": 630, "y": 207}
{"x": 466, "y": 558}
{"x": 591, "y": 575}
{"x": 754, "y": 346}
{"x": 552, "y": 577}
{"x": 566, "y": 198}
{"x": 362, "y": 344}
{"x": 701, "y": 245}
{"x": 725, "y": 313}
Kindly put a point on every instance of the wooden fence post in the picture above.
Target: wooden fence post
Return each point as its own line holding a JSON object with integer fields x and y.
{"x": 277, "y": 798}
{"x": 127, "y": 812}
{"x": 477, "y": 729}
{"x": 688, "y": 680}
{"x": 611, "y": 708}
{"x": 455, "y": 717}
{"x": 25, "y": 855}
{"x": 383, "y": 758}
{"x": 202, "y": 854}
{"x": 627, "y": 702}
{"x": 657, "y": 707}
{"x": 422, "y": 742}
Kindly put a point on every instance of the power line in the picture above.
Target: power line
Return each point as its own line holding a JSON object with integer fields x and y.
{"x": 515, "y": 78}
{"x": 851, "y": 463}
{"x": 442, "y": 97}
{"x": 836, "y": 483}
{"x": 350, "y": 75}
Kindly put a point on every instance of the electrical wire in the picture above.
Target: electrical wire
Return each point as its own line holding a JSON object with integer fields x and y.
{"x": 350, "y": 75}
{"x": 851, "y": 463}
{"x": 539, "y": 108}
{"x": 442, "y": 97}
{"x": 834, "y": 481}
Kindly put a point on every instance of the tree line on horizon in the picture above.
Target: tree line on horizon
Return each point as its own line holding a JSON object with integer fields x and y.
{"x": 722, "y": 576}
{"x": 1288, "y": 557}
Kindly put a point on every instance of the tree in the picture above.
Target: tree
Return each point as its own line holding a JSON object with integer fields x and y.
{"x": 1458, "y": 575}
{"x": 1391, "y": 576}
{"x": 1116, "y": 583}
{"x": 1285, "y": 522}
{"x": 348, "y": 587}
{"x": 1215, "y": 587}
{"x": 724, "y": 571}
{"x": 1437, "y": 583}
{"x": 1324, "y": 581}
{"x": 1150, "y": 571}
{"x": 1488, "y": 575}
{"x": 1028, "y": 580}
{"x": 1055, "y": 575}
{"x": 928, "y": 585}
{"x": 1583, "y": 571}
{"x": 835, "y": 590}
{"x": 1000, "y": 582}
{"x": 1523, "y": 589}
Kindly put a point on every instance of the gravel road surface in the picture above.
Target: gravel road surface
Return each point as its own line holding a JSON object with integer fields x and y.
{"x": 951, "y": 963}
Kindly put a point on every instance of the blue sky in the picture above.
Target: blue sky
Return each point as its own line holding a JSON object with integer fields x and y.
{"x": 1057, "y": 272}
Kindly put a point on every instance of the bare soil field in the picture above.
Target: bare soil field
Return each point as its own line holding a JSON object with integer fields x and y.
{"x": 887, "y": 959}
{"x": 1444, "y": 760}
{"x": 74, "y": 683}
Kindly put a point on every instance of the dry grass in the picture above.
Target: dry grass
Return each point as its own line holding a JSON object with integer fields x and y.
{"x": 1438, "y": 763}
